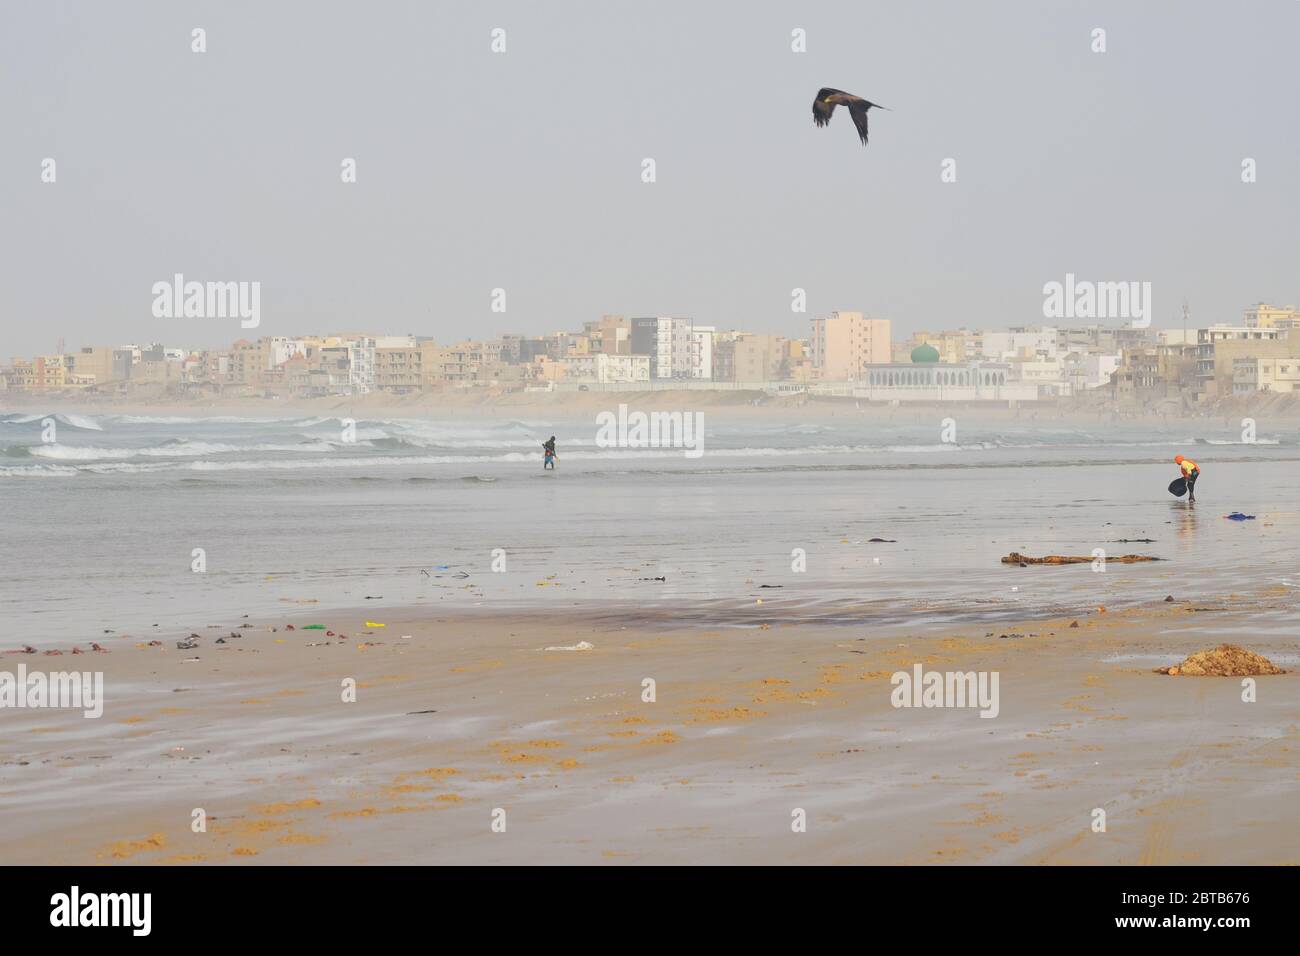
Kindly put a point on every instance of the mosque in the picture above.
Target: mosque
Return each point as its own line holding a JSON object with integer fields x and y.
{"x": 926, "y": 379}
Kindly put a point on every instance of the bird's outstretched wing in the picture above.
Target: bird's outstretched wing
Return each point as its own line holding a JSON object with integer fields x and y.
{"x": 822, "y": 111}
{"x": 858, "y": 111}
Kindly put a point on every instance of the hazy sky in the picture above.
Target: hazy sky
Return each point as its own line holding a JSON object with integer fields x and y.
{"x": 522, "y": 170}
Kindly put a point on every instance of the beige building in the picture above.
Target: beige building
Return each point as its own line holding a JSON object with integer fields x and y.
{"x": 248, "y": 360}
{"x": 612, "y": 335}
{"x": 102, "y": 364}
{"x": 51, "y": 371}
{"x": 163, "y": 372}
{"x": 759, "y": 358}
{"x": 951, "y": 346}
{"x": 1251, "y": 375}
{"x": 724, "y": 354}
{"x": 543, "y": 368}
{"x": 1219, "y": 347}
{"x": 799, "y": 365}
{"x": 844, "y": 344}
{"x": 410, "y": 367}
{"x": 460, "y": 364}
{"x": 21, "y": 374}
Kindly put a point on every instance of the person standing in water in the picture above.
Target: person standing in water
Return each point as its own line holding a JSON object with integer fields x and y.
{"x": 1191, "y": 471}
{"x": 548, "y": 452}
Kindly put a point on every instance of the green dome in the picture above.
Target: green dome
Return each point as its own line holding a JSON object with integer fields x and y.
{"x": 925, "y": 352}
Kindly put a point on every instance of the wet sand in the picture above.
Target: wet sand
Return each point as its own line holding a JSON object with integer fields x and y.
{"x": 470, "y": 715}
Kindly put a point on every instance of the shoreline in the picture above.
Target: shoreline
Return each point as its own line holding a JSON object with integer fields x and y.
{"x": 1283, "y": 409}
{"x": 470, "y": 714}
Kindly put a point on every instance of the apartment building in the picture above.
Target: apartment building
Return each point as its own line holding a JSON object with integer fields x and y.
{"x": 1030, "y": 342}
{"x": 407, "y": 367}
{"x": 282, "y": 348}
{"x": 163, "y": 373}
{"x": 461, "y": 364}
{"x": 845, "y": 343}
{"x": 1253, "y": 374}
{"x": 1219, "y": 346}
{"x": 673, "y": 349}
{"x": 1265, "y": 316}
{"x": 610, "y": 334}
{"x": 1086, "y": 370}
{"x": 248, "y": 360}
{"x": 757, "y": 358}
{"x": 361, "y": 365}
{"x": 1139, "y": 380}
{"x": 1155, "y": 373}
{"x": 702, "y": 351}
{"x": 21, "y": 374}
{"x": 601, "y": 368}
{"x": 102, "y": 363}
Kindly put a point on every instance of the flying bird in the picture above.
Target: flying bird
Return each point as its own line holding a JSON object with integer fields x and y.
{"x": 828, "y": 99}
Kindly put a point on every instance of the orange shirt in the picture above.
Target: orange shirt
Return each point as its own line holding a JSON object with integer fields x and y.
{"x": 1189, "y": 466}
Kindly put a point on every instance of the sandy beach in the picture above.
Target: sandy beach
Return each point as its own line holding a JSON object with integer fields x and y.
{"x": 767, "y": 592}
{"x": 459, "y": 717}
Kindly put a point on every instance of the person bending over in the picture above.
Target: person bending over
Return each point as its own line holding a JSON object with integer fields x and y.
{"x": 1191, "y": 471}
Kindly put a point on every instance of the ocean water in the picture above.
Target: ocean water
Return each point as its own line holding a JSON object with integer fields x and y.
{"x": 98, "y": 530}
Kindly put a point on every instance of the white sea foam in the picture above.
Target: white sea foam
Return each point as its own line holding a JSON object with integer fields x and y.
{"x": 64, "y": 418}
{"x": 204, "y": 420}
{"x": 38, "y": 471}
{"x": 188, "y": 449}
{"x": 117, "y": 460}
{"x": 1257, "y": 441}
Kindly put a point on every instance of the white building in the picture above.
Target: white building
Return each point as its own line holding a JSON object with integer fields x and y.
{"x": 668, "y": 342}
{"x": 1091, "y": 370}
{"x": 1238, "y": 333}
{"x": 361, "y": 365}
{"x": 702, "y": 351}
{"x": 1030, "y": 341}
{"x": 625, "y": 368}
{"x": 401, "y": 342}
{"x": 602, "y": 368}
{"x": 943, "y": 382}
{"x": 1048, "y": 375}
{"x": 284, "y": 348}
{"x": 1174, "y": 337}
{"x": 1251, "y": 375}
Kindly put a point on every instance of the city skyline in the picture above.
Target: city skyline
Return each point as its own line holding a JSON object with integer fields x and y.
{"x": 380, "y": 329}
{"x": 846, "y": 353}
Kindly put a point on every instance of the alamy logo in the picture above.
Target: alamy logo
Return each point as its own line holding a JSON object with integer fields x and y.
{"x": 1098, "y": 300}
{"x": 653, "y": 430}
{"x": 179, "y": 299}
{"x": 923, "y": 688}
{"x": 75, "y": 690}
{"x": 103, "y": 909}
